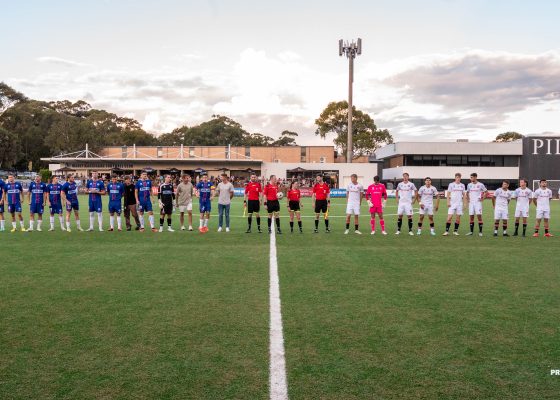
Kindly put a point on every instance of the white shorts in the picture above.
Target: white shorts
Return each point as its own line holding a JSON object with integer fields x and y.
{"x": 186, "y": 208}
{"x": 543, "y": 214}
{"x": 427, "y": 210}
{"x": 500, "y": 213}
{"x": 405, "y": 209}
{"x": 352, "y": 208}
{"x": 521, "y": 212}
{"x": 475, "y": 208}
{"x": 456, "y": 209}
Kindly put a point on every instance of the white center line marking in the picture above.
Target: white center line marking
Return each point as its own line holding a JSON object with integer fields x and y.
{"x": 278, "y": 380}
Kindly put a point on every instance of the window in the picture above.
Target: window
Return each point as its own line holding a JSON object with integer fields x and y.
{"x": 226, "y": 152}
{"x": 247, "y": 151}
{"x": 303, "y": 154}
{"x": 159, "y": 152}
{"x": 124, "y": 150}
{"x": 511, "y": 161}
{"x": 191, "y": 152}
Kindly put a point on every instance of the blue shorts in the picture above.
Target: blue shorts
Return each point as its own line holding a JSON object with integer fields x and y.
{"x": 14, "y": 208}
{"x": 95, "y": 206}
{"x": 115, "y": 207}
{"x": 72, "y": 206}
{"x": 56, "y": 209}
{"x": 205, "y": 206}
{"x": 145, "y": 207}
{"x": 35, "y": 208}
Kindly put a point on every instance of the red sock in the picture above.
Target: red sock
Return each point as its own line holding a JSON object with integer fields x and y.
{"x": 372, "y": 221}
{"x": 382, "y": 223}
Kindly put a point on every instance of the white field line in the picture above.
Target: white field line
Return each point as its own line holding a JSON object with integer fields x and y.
{"x": 278, "y": 380}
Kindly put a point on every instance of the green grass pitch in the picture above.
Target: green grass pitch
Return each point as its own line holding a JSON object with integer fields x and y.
{"x": 185, "y": 316}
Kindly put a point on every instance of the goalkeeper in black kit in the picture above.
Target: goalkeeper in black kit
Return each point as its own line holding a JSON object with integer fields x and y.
{"x": 166, "y": 195}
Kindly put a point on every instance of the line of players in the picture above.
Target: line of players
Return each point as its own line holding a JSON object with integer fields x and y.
{"x": 471, "y": 197}
{"x": 65, "y": 196}
{"x": 458, "y": 198}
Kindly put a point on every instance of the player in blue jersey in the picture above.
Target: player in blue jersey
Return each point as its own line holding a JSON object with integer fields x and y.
{"x": 70, "y": 199}
{"x": 2, "y": 223}
{"x": 96, "y": 188}
{"x": 36, "y": 195}
{"x": 13, "y": 197}
{"x": 205, "y": 194}
{"x": 54, "y": 190}
{"x": 115, "y": 191}
{"x": 143, "y": 201}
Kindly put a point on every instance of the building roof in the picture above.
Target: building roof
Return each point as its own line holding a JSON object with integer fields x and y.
{"x": 450, "y": 148}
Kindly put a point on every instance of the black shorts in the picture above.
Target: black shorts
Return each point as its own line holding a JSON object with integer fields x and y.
{"x": 293, "y": 205}
{"x": 321, "y": 206}
{"x": 253, "y": 206}
{"x": 272, "y": 206}
{"x": 167, "y": 209}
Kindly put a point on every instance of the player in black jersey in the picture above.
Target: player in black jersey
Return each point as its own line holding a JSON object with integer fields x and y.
{"x": 166, "y": 195}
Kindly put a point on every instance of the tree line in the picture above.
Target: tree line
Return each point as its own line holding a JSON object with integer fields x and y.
{"x": 32, "y": 129}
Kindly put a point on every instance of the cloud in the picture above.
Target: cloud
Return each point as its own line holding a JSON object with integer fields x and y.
{"x": 61, "y": 61}
{"x": 466, "y": 94}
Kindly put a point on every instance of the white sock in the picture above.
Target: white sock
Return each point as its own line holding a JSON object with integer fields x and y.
{"x": 141, "y": 217}
{"x": 67, "y": 224}
{"x": 112, "y": 221}
{"x": 61, "y": 220}
{"x": 119, "y": 223}
{"x": 151, "y": 218}
{"x": 2, "y": 225}
{"x": 91, "y": 219}
{"x": 31, "y": 224}
{"x": 201, "y": 223}
{"x": 52, "y": 222}
{"x": 21, "y": 224}
{"x": 14, "y": 225}
{"x": 39, "y": 223}
{"x": 206, "y": 222}
{"x": 100, "y": 220}
{"x": 77, "y": 223}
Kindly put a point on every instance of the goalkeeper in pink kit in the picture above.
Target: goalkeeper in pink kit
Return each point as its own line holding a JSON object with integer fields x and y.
{"x": 376, "y": 195}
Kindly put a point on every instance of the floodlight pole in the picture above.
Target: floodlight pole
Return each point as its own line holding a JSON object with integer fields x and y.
{"x": 350, "y": 50}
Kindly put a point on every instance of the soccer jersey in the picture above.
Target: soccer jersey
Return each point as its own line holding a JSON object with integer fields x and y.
{"x": 427, "y": 195}
{"x": 253, "y": 190}
{"x": 406, "y": 192}
{"x": 321, "y": 191}
{"x": 475, "y": 191}
{"x": 115, "y": 192}
{"x": 54, "y": 190}
{"x": 13, "y": 192}
{"x": 523, "y": 197}
{"x": 166, "y": 193}
{"x": 37, "y": 192}
{"x": 376, "y": 193}
{"x": 97, "y": 185}
{"x": 144, "y": 188}
{"x": 271, "y": 192}
{"x": 543, "y": 197}
{"x": 294, "y": 195}
{"x": 354, "y": 192}
{"x": 502, "y": 198}
{"x": 70, "y": 190}
{"x": 204, "y": 190}
{"x": 456, "y": 190}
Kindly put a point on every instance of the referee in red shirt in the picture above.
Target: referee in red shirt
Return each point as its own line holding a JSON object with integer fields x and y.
{"x": 272, "y": 204}
{"x": 252, "y": 201}
{"x": 321, "y": 199}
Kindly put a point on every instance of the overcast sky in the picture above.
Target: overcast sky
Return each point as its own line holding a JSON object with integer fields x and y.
{"x": 432, "y": 69}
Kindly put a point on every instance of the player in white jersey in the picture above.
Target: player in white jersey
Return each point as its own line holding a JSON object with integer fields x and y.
{"x": 406, "y": 194}
{"x": 425, "y": 198}
{"x": 523, "y": 196}
{"x": 500, "y": 202}
{"x": 541, "y": 198}
{"x": 354, "y": 196}
{"x": 455, "y": 204}
{"x": 475, "y": 195}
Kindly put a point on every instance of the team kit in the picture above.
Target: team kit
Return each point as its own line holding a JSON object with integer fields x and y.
{"x": 134, "y": 200}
